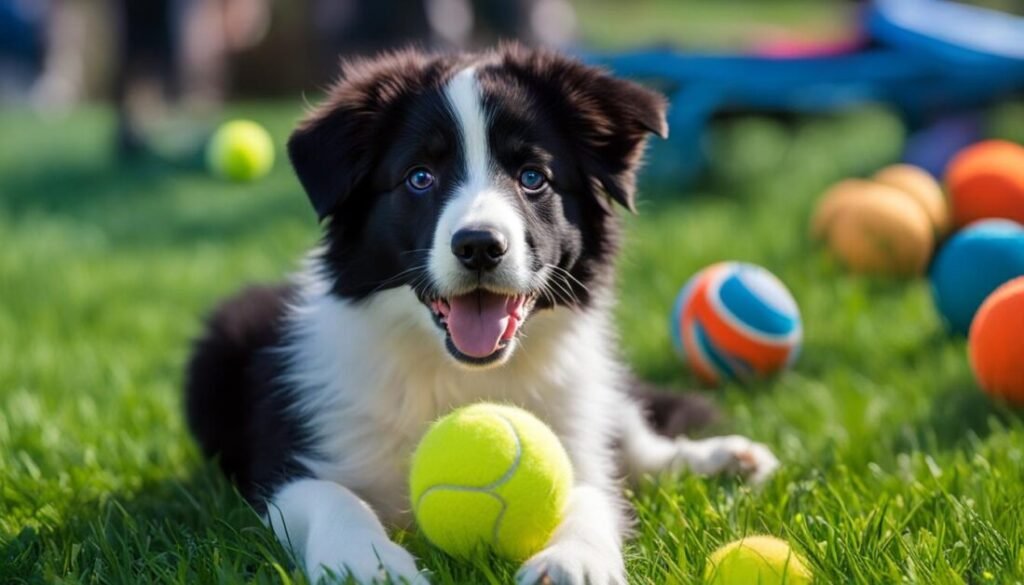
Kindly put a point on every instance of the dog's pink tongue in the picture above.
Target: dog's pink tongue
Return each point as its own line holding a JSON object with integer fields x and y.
{"x": 478, "y": 321}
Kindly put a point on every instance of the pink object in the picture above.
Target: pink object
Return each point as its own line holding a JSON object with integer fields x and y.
{"x": 480, "y": 321}
{"x": 792, "y": 48}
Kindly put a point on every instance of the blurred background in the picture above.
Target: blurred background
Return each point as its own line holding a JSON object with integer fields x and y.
{"x": 167, "y": 66}
{"x": 146, "y": 57}
{"x": 116, "y": 237}
{"x": 107, "y": 108}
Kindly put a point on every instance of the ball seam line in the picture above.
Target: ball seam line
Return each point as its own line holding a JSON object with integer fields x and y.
{"x": 487, "y": 489}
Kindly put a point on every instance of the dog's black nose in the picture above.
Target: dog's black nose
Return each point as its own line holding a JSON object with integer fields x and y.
{"x": 479, "y": 248}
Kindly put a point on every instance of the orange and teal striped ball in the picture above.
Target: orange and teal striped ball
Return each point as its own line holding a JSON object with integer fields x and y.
{"x": 736, "y": 321}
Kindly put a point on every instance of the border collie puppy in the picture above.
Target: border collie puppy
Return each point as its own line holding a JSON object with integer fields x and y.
{"x": 468, "y": 255}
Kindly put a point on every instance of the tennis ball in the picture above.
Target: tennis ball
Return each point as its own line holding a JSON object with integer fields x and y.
{"x": 240, "y": 150}
{"x": 972, "y": 264}
{"x": 757, "y": 560}
{"x": 996, "y": 343}
{"x": 875, "y": 228}
{"x": 489, "y": 477}
{"x": 986, "y": 180}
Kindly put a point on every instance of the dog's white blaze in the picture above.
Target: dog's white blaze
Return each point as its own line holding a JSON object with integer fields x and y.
{"x": 477, "y": 201}
{"x": 463, "y": 95}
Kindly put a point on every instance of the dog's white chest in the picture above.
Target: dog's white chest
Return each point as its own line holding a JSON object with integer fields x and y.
{"x": 372, "y": 378}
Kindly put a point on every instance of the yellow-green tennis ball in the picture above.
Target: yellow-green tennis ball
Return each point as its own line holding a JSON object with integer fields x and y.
{"x": 757, "y": 560}
{"x": 489, "y": 477}
{"x": 240, "y": 150}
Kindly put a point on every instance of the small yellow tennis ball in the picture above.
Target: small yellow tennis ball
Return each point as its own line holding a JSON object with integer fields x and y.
{"x": 757, "y": 560}
{"x": 490, "y": 477}
{"x": 240, "y": 150}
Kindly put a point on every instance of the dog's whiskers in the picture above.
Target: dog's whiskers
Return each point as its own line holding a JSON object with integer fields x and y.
{"x": 419, "y": 268}
{"x": 568, "y": 276}
{"x": 561, "y": 279}
{"x": 416, "y": 251}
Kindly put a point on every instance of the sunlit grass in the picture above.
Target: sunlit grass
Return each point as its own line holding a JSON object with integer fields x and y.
{"x": 896, "y": 468}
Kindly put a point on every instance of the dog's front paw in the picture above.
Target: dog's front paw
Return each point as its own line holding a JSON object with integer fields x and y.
{"x": 731, "y": 454}
{"x": 365, "y": 560}
{"x": 572, "y": 563}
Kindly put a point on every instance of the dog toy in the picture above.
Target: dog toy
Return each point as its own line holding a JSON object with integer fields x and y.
{"x": 736, "y": 320}
{"x": 489, "y": 477}
{"x": 986, "y": 180}
{"x": 996, "y": 343}
{"x": 971, "y": 265}
{"x": 922, "y": 187}
{"x": 751, "y": 560}
{"x": 886, "y": 225}
{"x": 240, "y": 150}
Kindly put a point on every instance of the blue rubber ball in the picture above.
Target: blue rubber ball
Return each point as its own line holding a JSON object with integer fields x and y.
{"x": 971, "y": 265}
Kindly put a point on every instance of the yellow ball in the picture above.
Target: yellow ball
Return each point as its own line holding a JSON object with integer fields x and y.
{"x": 757, "y": 560}
{"x": 489, "y": 477}
{"x": 240, "y": 150}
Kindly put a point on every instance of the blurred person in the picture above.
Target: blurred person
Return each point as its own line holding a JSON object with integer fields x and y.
{"x": 40, "y": 56}
{"x": 176, "y": 51}
{"x": 370, "y": 26}
{"x": 465, "y": 24}
{"x": 145, "y": 50}
{"x": 21, "y": 44}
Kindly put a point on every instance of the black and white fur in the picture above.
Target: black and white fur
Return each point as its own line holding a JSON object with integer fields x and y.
{"x": 314, "y": 394}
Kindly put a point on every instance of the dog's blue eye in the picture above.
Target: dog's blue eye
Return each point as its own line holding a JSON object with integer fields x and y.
{"x": 532, "y": 180}
{"x": 419, "y": 180}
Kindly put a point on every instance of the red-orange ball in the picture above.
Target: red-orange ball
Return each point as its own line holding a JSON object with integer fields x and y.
{"x": 996, "y": 343}
{"x": 986, "y": 180}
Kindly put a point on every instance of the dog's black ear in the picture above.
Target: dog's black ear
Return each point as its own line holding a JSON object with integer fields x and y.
{"x": 322, "y": 154}
{"x": 616, "y": 131}
{"x": 609, "y": 118}
{"x": 333, "y": 149}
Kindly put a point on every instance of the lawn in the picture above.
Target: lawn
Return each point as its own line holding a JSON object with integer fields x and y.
{"x": 896, "y": 468}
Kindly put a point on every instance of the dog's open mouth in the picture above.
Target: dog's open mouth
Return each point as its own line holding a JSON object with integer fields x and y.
{"x": 481, "y": 324}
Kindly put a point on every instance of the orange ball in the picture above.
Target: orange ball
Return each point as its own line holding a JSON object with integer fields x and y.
{"x": 986, "y": 180}
{"x": 996, "y": 343}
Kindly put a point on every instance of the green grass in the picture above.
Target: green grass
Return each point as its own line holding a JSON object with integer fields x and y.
{"x": 710, "y": 24}
{"x": 896, "y": 468}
